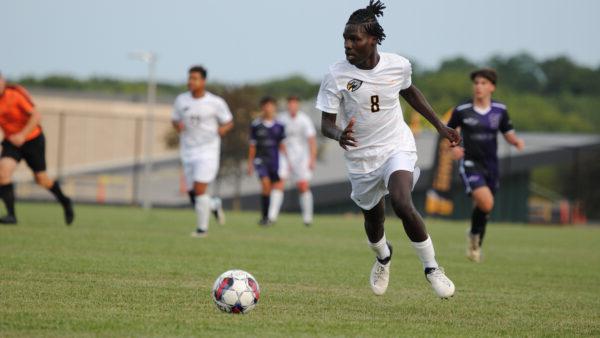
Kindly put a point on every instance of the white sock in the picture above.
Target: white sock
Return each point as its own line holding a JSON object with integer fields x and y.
{"x": 381, "y": 248}
{"x": 426, "y": 253}
{"x": 306, "y": 204}
{"x": 202, "y": 211}
{"x": 213, "y": 203}
{"x": 275, "y": 205}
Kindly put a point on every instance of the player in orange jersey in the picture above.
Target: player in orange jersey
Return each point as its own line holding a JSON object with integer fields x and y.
{"x": 23, "y": 139}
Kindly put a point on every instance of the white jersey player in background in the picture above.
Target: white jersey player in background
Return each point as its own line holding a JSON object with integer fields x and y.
{"x": 301, "y": 145}
{"x": 201, "y": 119}
{"x": 363, "y": 90}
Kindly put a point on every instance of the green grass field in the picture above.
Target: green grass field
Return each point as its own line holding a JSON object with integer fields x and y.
{"x": 125, "y": 272}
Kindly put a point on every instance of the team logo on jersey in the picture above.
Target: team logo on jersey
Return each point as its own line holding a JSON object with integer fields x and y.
{"x": 353, "y": 85}
{"x": 186, "y": 108}
{"x": 495, "y": 121}
{"x": 471, "y": 121}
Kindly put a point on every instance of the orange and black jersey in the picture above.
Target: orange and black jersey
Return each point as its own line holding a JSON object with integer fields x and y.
{"x": 15, "y": 111}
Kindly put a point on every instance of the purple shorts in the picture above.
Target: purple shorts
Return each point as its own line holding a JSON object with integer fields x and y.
{"x": 474, "y": 176}
{"x": 264, "y": 169}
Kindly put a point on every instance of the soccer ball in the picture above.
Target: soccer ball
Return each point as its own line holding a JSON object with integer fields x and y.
{"x": 235, "y": 291}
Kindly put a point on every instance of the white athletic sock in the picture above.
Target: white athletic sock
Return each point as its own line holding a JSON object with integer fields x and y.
{"x": 381, "y": 248}
{"x": 202, "y": 211}
{"x": 426, "y": 253}
{"x": 213, "y": 203}
{"x": 306, "y": 204}
{"x": 275, "y": 205}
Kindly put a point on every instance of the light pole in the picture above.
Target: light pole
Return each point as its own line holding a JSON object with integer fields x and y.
{"x": 150, "y": 59}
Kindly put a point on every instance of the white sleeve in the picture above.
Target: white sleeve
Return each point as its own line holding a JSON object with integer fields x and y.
{"x": 406, "y": 74}
{"x": 309, "y": 128}
{"x": 329, "y": 97}
{"x": 176, "y": 114}
{"x": 224, "y": 114}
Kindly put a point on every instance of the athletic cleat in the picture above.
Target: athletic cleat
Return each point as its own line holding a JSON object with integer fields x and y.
{"x": 199, "y": 233}
{"x": 473, "y": 247}
{"x": 69, "y": 213}
{"x": 218, "y": 212}
{"x": 8, "y": 220}
{"x": 307, "y": 224}
{"x": 441, "y": 284}
{"x": 380, "y": 274}
{"x": 264, "y": 222}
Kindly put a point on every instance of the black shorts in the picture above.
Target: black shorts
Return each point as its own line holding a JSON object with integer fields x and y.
{"x": 32, "y": 151}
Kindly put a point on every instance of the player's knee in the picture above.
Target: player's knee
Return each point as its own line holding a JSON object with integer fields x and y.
{"x": 42, "y": 180}
{"x": 403, "y": 207}
{"x": 5, "y": 177}
{"x": 486, "y": 206}
{"x": 303, "y": 186}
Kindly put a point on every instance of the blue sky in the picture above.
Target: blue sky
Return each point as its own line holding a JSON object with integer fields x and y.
{"x": 244, "y": 41}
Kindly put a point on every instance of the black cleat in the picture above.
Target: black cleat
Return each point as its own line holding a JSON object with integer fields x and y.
{"x": 69, "y": 213}
{"x": 8, "y": 220}
{"x": 265, "y": 222}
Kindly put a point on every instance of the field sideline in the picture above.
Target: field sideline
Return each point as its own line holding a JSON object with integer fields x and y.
{"x": 125, "y": 272}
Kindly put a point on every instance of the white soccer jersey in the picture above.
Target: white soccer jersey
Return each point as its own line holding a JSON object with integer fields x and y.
{"x": 297, "y": 132}
{"x": 201, "y": 118}
{"x": 372, "y": 97}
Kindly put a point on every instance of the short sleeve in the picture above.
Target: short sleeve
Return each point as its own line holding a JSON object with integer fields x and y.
{"x": 24, "y": 102}
{"x": 406, "y": 74}
{"x": 224, "y": 114}
{"x": 252, "y": 134}
{"x": 177, "y": 115}
{"x": 455, "y": 120}
{"x": 505, "y": 123}
{"x": 282, "y": 134}
{"x": 329, "y": 97}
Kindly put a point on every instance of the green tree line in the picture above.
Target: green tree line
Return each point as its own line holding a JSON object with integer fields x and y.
{"x": 552, "y": 95}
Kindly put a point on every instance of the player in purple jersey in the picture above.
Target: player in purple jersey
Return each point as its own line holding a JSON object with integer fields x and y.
{"x": 479, "y": 121}
{"x": 266, "y": 142}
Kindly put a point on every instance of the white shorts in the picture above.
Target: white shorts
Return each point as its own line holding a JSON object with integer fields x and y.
{"x": 369, "y": 188}
{"x": 200, "y": 170}
{"x": 298, "y": 171}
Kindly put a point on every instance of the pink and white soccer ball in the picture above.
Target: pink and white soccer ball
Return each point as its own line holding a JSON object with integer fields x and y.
{"x": 236, "y": 291}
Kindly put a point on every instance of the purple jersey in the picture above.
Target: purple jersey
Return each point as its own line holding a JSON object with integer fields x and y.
{"x": 267, "y": 136}
{"x": 479, "y": 131}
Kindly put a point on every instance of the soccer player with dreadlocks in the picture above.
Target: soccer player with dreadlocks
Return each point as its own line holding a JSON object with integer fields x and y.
{"x": 380, "y": 149}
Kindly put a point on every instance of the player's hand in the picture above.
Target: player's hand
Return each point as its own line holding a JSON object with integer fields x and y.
{"x": 312, "y": 164}
{"x": 451, "y": 134}
{"x": 520, "y": 144}
{"x": 457, "y": 153}
{"x": 17, "y": 139}
{"x": 347, "y": 139}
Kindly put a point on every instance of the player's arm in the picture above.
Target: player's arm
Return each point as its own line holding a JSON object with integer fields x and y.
{"x": 508, "y": 131}
{"x": 178, "y": 125}
{"x": 312, "y": 145}
{"x": 512, "y": 139}
{"x": 225, "y": 128}
{"x": 417, "y": 100}
{"x": 18, "y": 139}
{"x": 330, "y": 130}
{"x": 283, "y": 149}
{"x": 251, "y": 156}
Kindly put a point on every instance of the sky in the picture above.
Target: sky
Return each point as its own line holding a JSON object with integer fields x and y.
{"x": 242, "y": 41}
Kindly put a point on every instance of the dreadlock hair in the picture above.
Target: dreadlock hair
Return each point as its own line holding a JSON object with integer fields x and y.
{"x": 367, "y": 19}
